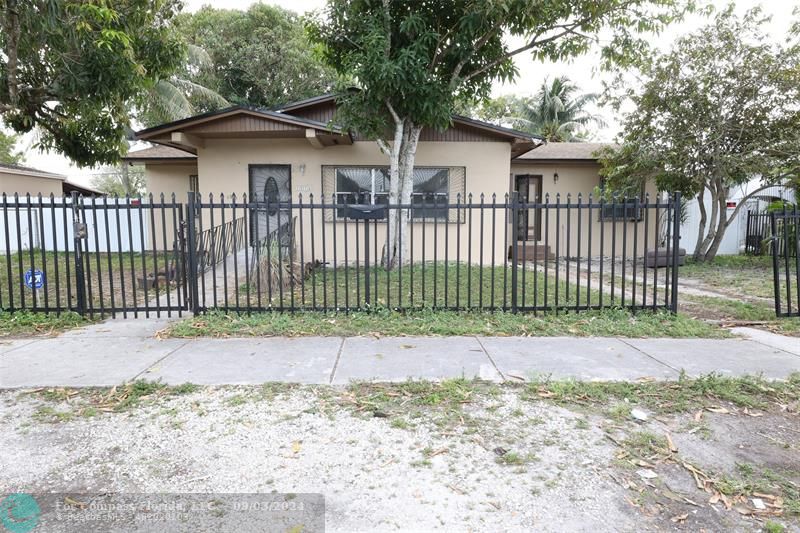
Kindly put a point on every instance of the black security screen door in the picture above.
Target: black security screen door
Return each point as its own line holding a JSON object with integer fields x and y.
{"x": 269, "y": 186}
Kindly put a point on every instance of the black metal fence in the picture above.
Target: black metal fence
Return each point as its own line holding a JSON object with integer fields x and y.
{"x": 155, "y": 256}
{"x": 470, "y": 253}
{"x": 784, "y": 243}
{"x": 757, "y": 233}
{"x": 97, "y": 255}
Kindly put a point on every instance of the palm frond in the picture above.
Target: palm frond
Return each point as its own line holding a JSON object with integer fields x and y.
{"x": 170, "y": 103}
{"x": 195, "y": 89}
{"x": 198, "y": 56}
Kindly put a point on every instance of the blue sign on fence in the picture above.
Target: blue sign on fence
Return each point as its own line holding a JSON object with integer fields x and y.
{"x": 34, "y": 279}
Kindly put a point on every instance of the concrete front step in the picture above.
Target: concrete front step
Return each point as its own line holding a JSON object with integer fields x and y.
{"x": 531, "y": 251}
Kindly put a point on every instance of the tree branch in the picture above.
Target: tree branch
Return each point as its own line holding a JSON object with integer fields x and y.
{"x": 478, "y": 45}
{"x": 439, "y": 51}
{"x": 394, "y": 114}
{"x": 748, "y": 196}
{"x": 12, "y": 49}
{"x": 384, "y": 146}
{"x": 530, "y": 45}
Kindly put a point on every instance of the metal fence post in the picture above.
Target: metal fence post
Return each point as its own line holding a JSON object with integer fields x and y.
{"x": 191, "y": 233}
{"x": 515, "y": 208}
{"x": 676, "y": 241}
{"x": 366, "y": 262}
{"x": 78, "y": 233}
{"x": 774, "y": 249}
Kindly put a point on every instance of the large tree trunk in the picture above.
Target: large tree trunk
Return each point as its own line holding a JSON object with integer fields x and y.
{"x": 722, "y": 225}
{"x": 701, "y": 228}
{"x": 401, "y": 173}
{"x": 707, "y": 249}
{"x": 394, "y": 183}
{"x": 714, "y": 189}
{"x": 708, "y": 244}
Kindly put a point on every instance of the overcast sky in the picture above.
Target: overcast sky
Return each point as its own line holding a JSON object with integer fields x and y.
{"x": 581, "y": 70}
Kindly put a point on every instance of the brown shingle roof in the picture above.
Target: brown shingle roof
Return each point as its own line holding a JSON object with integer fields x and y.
{"x": 558, "y": 150}
{"x": 159, "y": 151}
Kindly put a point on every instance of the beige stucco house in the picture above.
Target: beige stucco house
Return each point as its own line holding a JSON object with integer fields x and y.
{"x": 298, "y": 151}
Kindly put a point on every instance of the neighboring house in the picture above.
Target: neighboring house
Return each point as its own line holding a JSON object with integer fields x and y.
{"x": 44, "y": 223}
{"x": 298, "y": 150}
{"x": 733, "y": 242}
{"x": 26, "y": 180}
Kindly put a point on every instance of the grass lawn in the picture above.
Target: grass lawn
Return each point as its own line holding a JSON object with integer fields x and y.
{"x": 612, "y": 322}
{"x": 429, "y": 285}
{"x": 27, "y": 324}
{"x": 60, "y": 290}
{"x": 738, "y": 275}
{"x": 709, "y": 307}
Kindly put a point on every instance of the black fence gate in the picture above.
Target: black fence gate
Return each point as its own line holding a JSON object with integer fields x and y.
{"x": 93, "y": 255}
{"x": 784, "y": 243}
{"x": 757, "y": 233}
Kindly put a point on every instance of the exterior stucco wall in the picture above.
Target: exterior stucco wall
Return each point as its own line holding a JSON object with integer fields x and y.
{"x": 583, "y": 178}
{"x": 223, "y": 168}
{"x": 166, "y": 179}
{"x": 14, "y": 183}
{"x": 223, "y": 163}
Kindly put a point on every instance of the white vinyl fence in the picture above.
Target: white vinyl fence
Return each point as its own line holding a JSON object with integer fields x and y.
{"x": 48, "y": 224}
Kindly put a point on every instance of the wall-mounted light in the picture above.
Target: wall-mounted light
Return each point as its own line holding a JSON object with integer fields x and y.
{"x": 302, "y": 169}
{"x": 555, "y": 177}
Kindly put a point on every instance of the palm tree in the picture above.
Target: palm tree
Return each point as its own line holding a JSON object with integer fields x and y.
{"x": 556, "y": 112}
{"x": 178, "y": 97}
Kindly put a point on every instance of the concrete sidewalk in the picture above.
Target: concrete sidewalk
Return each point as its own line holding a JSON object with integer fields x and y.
{"x": 118, "y": 351}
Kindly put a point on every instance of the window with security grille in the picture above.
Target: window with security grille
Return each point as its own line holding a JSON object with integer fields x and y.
{"x": 624, "y": 206}
{"x": 434, "y": 188}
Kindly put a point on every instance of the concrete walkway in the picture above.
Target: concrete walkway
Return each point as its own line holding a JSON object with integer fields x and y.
{"x": 123, "y": 350}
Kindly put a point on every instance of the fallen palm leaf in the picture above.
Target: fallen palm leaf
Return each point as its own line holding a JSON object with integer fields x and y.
{"x": 75, "y": 503}
{"x": 691, "y": 502}
{"x": 672, "y": 447}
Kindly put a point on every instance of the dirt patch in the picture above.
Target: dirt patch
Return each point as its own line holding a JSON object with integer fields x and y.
{"x": 479, "y": 459}
{"x": 714, "y": 471}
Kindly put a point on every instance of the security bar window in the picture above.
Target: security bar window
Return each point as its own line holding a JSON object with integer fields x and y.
{"x": 370, "y": 185}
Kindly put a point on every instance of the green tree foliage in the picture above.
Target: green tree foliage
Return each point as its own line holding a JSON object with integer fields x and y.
{"x": 558, "y": 111}
{"x": 121, "y": 180}
{"x": 718, "y": 110}
{"x": 178, "y": 97}
{"x": 258, "y": 57}
{"x": 416, "y": 60}
{"x": 8, "y": 152}
{"x": 73, "y": 68}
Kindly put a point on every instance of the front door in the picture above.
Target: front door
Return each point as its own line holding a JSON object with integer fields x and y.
{"x": 529, "y": 188}
{"x": 270, "y": 185}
